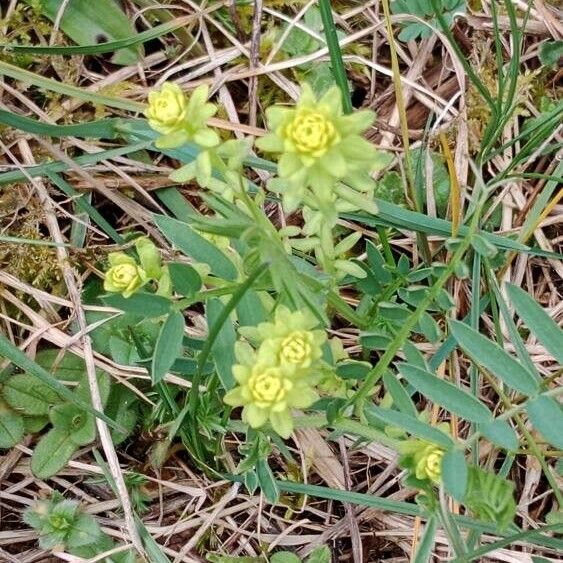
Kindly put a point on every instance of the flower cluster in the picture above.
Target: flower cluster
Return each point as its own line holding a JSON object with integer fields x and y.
{"x": 319, "y": 146}
{"x": 126, "y": 276}
{"x": 423, "y": 459}
{"x": 281, "y": 373}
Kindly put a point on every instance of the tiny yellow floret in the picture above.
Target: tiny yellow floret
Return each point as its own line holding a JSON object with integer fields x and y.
{"x": 429, "y": 463}
{"x": 124, "y": 276}
{"x": 167, "y": 109}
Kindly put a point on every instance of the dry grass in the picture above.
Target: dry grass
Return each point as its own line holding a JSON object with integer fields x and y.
{"x": 190, "y": 513}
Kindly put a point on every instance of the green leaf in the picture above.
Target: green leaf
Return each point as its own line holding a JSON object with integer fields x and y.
{"x": 89, "y": 23}
{"x": 268, "y": 484}
{"x": 401, "y": 398}
{"x": 445, "y": 394}
{"x": 538, "y": 321}
{"x": 551, "y": 53}
{"x": 483, "y": 246}
{"x": 34, "y": 424}
{"x": 66, "y": 366}
{"x": 16, "y": 356}
{"x": 85, "y": 531}
{"x": 320, "y": 554}
{"x": 491, "y": 356}
{"x": 546, "y": 416}
{"x": 168, "y": 346}
{"x": 424, "y": 550}
{"x": 141, "y": 303}
{"x": 284, "y": 557}
{"x": 193, "y": 244}
{"x": 410, "y": 424}
{"x": 490, "y": 497}
{"x": 78, "y": 424}
{"x": 122, "y": 407}
{"x": 185, "y": 279}
{"x": 11, "y": 426}
{"x": 52, "y": 453}
{"x": 250, "y": 311}
{"x": 223, "y": 344}
{"x": 454, "y": 473}
{"x": 500, "y": 433}
{"x": 28, "y": 395}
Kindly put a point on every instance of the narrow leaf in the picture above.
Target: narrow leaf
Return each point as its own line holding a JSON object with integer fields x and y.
{"x": 446, "y": 394}
{"x": 538, "y": 321}
{"x": 146, "y": 304}
{"x": 500, "y": 433}
{"x": 410, "y": 424}
{"x": 193, "y": 244}
{"x": 168, "y": 346}
{"x": 491, "y": 356}
{"x": 545, "y": 414}
{"x": 185, "y": 279}
{"x": 424, "y": 551}
{"x": 454, "y": 473}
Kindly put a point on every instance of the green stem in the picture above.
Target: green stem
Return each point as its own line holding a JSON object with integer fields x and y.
{"x": 377, "y": 372}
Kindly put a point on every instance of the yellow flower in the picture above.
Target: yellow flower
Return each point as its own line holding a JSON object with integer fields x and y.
{"x": 167, "y": 109}
{"x": 429, "y": 463}
{"x": 267, "y": 392}
{"x": 319, "y": 146}
{"x": 181, "y": 119}
{"x": 289, "y": 340}
{"x": 311, "y": 133}
{"x": 124, "y": 276}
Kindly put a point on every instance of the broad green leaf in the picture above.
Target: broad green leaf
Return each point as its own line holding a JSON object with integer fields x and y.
{"x": 34, "y": 424}
{"x": 78, "y": 424}
{"x": 500, "y": 432}
{"x": 28, "y": 395}
{"x": 168, "y": 346}
{"x": 64, "y": 366}
{"x": 145, "y": 304}
{"x": 547, "y": 417}
{"x": 446, "y": 394}
{"x": 52, "y": 453}
{"x": 182, "y": 236}
{"x": 551, "y": 53}
{"x": 410, "y": 424}
{"x": 491, "y": 356}
{"x": 538, "y": 321}
{"x": 11, "y": 426}
{"x": 185, "y": 279}
{"x": 454, "y": 473}
{"x": 424, "y": 549}
{"x": 320, "y": 554}
{"x": 89, "y": 23}
{"x": 16, "y": 356}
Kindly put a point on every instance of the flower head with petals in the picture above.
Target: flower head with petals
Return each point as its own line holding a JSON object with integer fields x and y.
{"x": 318, "y": 146}
{"x": 267, "y": 392}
